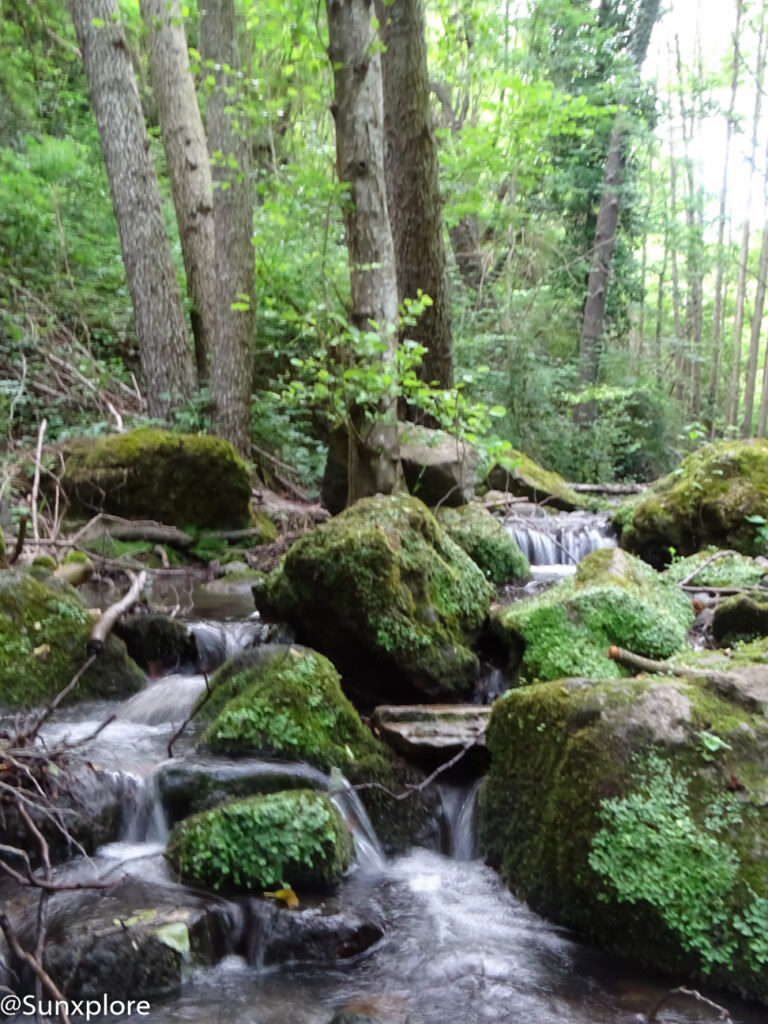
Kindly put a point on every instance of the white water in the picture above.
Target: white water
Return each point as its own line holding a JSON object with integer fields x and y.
{"x": 562, "y": 539}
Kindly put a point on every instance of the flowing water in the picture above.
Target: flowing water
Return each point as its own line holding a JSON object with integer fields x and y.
{"x": 457, "y": 947}
{"x": 561, "y": 539}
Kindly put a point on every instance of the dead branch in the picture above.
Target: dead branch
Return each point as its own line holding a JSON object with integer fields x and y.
{"x": 36, "y": 481}
{"x": 133, "y": 529}
{"x": 704, "y": 564}
{"x": 101, "y": 630}
{"x": 33, "y": 731}
{"x": 35, "y": 966}
{"x": 199, "y": 705}
{"x": 691, "y": 993}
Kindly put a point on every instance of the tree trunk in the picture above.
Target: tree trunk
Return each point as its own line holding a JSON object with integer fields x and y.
{"x": 734, "y": 388}
{"x": 189, "y": 168}
{"x": 413, "y": 193}
{"x": 607, "y": 223}
{"x": 232, "y": 351}
{"x": 676, "y": 314}
{"x": 757, "y": 323}
{"x": 166, "y": 360}
{"x": 717, "y": 337}
{"x": 358, "y": 110}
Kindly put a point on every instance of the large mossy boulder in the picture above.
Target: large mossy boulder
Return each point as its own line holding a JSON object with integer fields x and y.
{"x": 486, "y": 542}
{"x": 287, "y": 704}
{"x": 717, "y": 569}
{"x": 295, "y": 838}
{"x": 708, "y": 500}
{"x": 385, "y": 593}
{"x": 44, "y": 632}
{"x": 521, "y": 476}
{"x": 636, "y": 811}
{"x": 614, "y": 599}
{"x": 180, "y": 479}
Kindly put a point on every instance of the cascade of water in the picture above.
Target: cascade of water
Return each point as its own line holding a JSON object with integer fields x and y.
{"x": 367, "y": 846}
{"x": 562, "y": 539}
{"x": 144, "y": 819}
{"x": 217, "y": 641}
{"x": 170, "y": 699}
{"x": 458, "y": 803}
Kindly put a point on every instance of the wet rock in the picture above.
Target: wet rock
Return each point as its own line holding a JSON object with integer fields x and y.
{"x": 708, "y": 500}
{"x": 486, "y": 542}
{"x": 388, "y": 596}
{"x": 381, "y": 1009}
{"x": 516, "y": 474}
{"x": 601, "y": 810}
{"x": 613, "y": 599}
{"x": 131, "y": 942}
{"x": 157, "y": 642}
{"x": 179, "y": 479}
{"x": 432, "y": 733}
{"x": 44, "y": 633}
{"x": 321, "y": 935}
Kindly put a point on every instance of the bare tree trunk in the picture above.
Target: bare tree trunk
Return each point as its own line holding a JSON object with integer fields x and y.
{"x": 189, "y": 168}
{"x": 232, "y": 350}
{"x": 676, "y": 313}
{"x": 732, "y": 412}
{"x": 717, "y": 337}
{"x": 413, "y": 193}
{"x": 166, "y": 360}
{"x": 358, "y": 110}
{"x": 757, "y": 322}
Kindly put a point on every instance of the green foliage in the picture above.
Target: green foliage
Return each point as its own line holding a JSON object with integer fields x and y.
{"x": 294, "y": 838}
{"x": 728, "y": 570}
{"x": 653, "y": 847}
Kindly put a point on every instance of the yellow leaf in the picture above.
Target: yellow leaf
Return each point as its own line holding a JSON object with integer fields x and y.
{"x": 288, "y": 896}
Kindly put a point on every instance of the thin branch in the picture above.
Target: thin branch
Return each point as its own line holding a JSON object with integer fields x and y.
{"x": 691, "y": 993}
{"x": 198, "y": 707}
{"x": 102, "y": 628}
{"x": 700, "y": 568}
{"x": 36, "y": 481}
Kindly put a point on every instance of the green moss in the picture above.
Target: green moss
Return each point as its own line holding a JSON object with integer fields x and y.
{"x": 180, "y": 479}
{"x": 563, "y": 751}
{"x": 381, "y": 587}
{"x": 522, "y": 476}
{"x": 706, "y": 501}
{"x": 44, "y": 562}
{"x": 74, "y": 557}
{"x": 43, "y": 642}
{"x": 290, "y": 706}
{"x": 294, "y": 838}
{"x": 728, "y": 570}
{"x": 486, "y": 542}
{"x": 614, "y": 599}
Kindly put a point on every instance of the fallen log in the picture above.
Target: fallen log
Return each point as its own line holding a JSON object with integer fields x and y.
{"x": 109, "y": 617}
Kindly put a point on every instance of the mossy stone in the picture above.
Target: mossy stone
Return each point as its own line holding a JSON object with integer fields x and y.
{"x": 156, "y": 641}
{"x": 294, "y": 838}
{"x": 521, "y": 476}
{"x": 560, "y": 749}
{"x": 613, "y": 599}
{"x": 43, "y": 642}
{"x": 741, "y": 617}
{"x": 486, "y": 542}
{"x": 179, "y": 479}
{"x": 706, "y": 501}
{"x": 727, "y": 570}
{"x": 385, "y": 593}
{"x": 44, "y": 562}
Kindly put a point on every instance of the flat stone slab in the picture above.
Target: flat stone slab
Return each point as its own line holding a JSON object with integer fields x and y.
{"x": 426, "y": 730}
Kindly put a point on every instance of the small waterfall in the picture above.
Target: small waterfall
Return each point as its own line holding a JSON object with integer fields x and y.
{"x": 170, "y": 699}
{"x": 370, "y": 855}
{"x": 562, "y": 539}
{"x": 458, "y": 803}
{"x": 144, "y": 819}
{"x": 218, "y": 641}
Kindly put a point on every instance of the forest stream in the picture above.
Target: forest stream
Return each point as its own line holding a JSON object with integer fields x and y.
{"x": 456, "y": 946}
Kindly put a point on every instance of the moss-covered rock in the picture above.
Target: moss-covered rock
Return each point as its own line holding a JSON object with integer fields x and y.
{"x": 47, "y": 562}
{"x": 706, "y": 501}
{"x": 741, "y": 617}
{"x": 179, "y": 479}
{"x": 637, "y": 812}
{"x": 76, "y": 569}
{"x": 387, "y": 595}
{"x": 486, "y": 542}
{"x": 613, "y": 599}
{"x": 295, "y": 838}
{"x": 521, "y": 476}
{"x": 43, "y": 638}
{"x": 289, "y": 706}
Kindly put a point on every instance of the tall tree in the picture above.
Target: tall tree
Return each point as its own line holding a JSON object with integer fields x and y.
{"x": 373, "y": 464}
{"x": 189, "y": 168}
{"x": 645, "y": 17}
{"x": 232, "y": 354}
{"x": 166, "y": 360}
{"x": 413, "y": 191}
{"x": 757, "y": 317}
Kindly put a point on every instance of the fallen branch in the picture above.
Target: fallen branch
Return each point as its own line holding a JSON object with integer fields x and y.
{"x": 103, "y": 627}
{"x": 36, "y": 481}
{"x": 32, "y": 732}
{"x": 35, "y": 966}
{"x": 133, "y": 529}
{"x": 199, "y": 705}
{"x": 608, "y": 488}
{"x": 691, "y": 993}
{"x": 704, "y": 564}
{"x": 723, "y": 591}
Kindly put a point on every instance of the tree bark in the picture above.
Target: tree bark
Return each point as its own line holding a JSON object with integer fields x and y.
{"x": 232, "y": 351}
{"x": 413, "y": 193}
{"x": 358, "y": 111}
{"x": 757, "y": 323}
{"x": 166, "y": 360}
{"x": 734, "y": 388}
{"x": 189, "y": 169}
{"x": 719, "y": 304}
